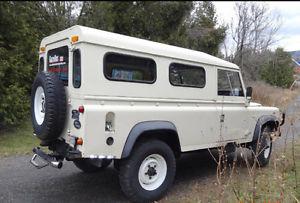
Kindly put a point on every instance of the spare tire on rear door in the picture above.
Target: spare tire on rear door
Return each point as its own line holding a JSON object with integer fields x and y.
{"x": 48, "y": 107}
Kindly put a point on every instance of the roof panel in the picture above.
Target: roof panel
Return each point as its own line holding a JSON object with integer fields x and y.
{"x": 95, "y": 36}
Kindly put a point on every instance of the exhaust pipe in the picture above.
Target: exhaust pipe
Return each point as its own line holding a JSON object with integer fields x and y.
{"x": 56, "y": 164}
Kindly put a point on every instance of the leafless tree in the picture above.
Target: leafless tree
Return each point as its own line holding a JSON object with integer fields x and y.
{"x": 253, "y": 32}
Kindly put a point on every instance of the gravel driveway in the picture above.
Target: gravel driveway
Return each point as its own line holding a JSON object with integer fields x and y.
{"x": 21, "y": 182}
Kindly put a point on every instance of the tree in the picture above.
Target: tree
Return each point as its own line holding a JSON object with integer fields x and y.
{"x": 48, "y": 17}
{"x": 279, "y": 70}
{"x": 166, "y": 22}
{"x": 17, "y": 56}
{"x": 156, "y": 21}
{"x": 253, "y": 33}
{"x": 203, "y": 33}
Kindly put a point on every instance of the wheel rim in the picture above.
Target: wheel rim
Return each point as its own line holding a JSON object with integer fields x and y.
{"x": 39, "y": 105}
{"x": 152, "y": 172}
{"x": 267, "y": 147}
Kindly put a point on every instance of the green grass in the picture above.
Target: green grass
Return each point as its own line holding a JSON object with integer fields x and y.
{"x": 18, "y": 141}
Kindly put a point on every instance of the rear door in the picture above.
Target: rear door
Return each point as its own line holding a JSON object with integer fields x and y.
{"x": 58, "y": 61}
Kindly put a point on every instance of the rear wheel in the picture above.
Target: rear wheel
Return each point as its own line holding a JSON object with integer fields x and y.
{"x": 92, "y": 165}
{"x": 149, "y": 171}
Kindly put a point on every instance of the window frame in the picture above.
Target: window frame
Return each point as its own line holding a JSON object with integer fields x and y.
{"x": 183, "y": 85}
{"x": 124, "y": 80}
{"x": 73, "y": 63}
{"x": 240, "y": 79}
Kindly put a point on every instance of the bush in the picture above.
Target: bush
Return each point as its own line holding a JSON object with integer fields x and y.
{"x": 14, "y": 87}
{"x": 14, "y": 105}
{"x": 18, "y": 58}
{"x": 279, "y": 70}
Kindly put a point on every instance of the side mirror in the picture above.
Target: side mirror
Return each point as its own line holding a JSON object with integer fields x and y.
{"x": 249, "y": 92}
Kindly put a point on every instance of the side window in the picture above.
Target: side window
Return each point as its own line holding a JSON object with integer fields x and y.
{"x": 76, "y": 69}
{"x": 58, "y": 62}
{"x": 41, "y": 64}
{"x": 121, "y": 67}
{"x": 229, "y": 83}
{"x": 186, "y": 75}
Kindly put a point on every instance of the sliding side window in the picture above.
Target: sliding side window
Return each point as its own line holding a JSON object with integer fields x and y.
{"x": 186, "y": 75}
{"x": 121, "y": 67}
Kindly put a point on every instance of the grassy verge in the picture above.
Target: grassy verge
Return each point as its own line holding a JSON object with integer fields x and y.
{"x": 19, "y": 140}
{"x": 273, "y": 96}
{"x": 273, "y": 183}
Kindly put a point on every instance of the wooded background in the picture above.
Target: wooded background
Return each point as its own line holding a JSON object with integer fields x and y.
{"x": 186, "y": 24}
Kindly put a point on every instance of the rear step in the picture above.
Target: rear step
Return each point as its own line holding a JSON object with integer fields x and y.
{"x": 40, "y": 159}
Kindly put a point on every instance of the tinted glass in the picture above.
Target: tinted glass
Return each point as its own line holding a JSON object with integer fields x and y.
{"x": 122, "y": 67}
{"x": 186, "y": 75}
{"x": 76, "y": 69}
{"x": 229, "y": 83}
{"x": 58, "y": 62}
{"x": 41, "y": 64}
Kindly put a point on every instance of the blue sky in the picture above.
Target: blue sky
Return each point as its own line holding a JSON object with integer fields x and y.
{"x": 289, "y": 33}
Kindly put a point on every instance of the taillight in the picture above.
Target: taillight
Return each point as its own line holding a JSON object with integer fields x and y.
{"x": 81, "y": 109}
{"x": 79, "y": 141}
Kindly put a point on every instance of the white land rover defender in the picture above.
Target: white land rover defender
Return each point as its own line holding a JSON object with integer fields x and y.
{"x": 101, "y": 97}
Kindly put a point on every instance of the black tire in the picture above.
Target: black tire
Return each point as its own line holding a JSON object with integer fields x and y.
{"x": 129, "y": 170}
{"x": 261, "y": 146}
{"x": 54, "y": 107}
{"x": 117, "y": 164}
{"x": 91, "y": 165}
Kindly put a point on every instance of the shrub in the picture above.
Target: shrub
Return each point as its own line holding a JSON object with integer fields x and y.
{"x": 14, "y": 105}
{"x": 279, "y": 70}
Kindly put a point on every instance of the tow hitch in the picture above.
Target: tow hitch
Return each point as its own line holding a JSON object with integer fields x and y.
{"x": 40, "y": 159}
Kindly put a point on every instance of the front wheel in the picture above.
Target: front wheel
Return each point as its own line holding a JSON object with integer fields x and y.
{"x": 263, "y": 147}
{"x": 149, "y": 171}
{"x": 91, "y": 165}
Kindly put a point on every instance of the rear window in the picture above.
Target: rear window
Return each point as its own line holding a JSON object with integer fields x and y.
{"x": 128, "y": 68}
{"x": 58, "y": 62}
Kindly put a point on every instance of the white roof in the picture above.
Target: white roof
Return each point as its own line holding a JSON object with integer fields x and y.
{"x": 95, "y": 36}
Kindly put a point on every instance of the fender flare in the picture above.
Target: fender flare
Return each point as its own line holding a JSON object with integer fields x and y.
{"x": 147, "y": 126}
{"x": 260, "y": 122}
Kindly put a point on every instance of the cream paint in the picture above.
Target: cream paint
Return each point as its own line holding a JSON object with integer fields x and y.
{"x": 194, "y": 111}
